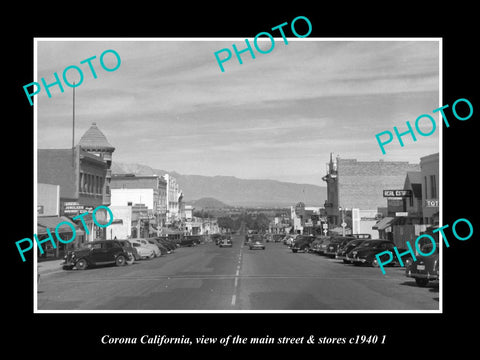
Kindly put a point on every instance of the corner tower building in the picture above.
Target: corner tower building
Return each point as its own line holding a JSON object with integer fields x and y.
{"x": 95, "y": 142}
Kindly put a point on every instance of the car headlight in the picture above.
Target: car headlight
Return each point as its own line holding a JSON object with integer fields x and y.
{"x": 408, "y": 262}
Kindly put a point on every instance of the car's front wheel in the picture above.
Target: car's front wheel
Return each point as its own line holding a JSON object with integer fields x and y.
{"x": 120, "y": 260}
{"x": 81, "y": 264}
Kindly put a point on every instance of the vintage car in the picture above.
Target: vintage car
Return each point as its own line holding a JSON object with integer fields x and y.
{"x": 317, "y": 243}
{"x": 96, "y": 253}
{"x": 335, "y": 243}
{"x": 323, "y": 245}
{"x": 168, "y": 244}
{"x": 344, "y": 250}
{"x": 145, "y": 242}
{"x": 225, "y": 243}
{"x": 190, "y": 240}
{"x": 130, "y": 250}
{"x": 302, "y": 243}
{"x": 143, "y": 251}
{"x": 425, "y": 268}
{"x": 163, "y": 249}
{"x": 256, "y": 242}
{"x": 277, "y": 237}
{"x": 366, "y": 251}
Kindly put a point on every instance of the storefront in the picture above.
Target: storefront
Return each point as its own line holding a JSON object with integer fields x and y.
{"x": 64, "y": 232}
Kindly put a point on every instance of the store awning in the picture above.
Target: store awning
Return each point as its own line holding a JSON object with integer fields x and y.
{"x": 384, "y": 223}
{"x": 51, "y": 222}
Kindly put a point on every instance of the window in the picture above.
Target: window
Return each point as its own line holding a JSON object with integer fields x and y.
{"x": 433, "y": 186}
{"x": 426, "y": 192}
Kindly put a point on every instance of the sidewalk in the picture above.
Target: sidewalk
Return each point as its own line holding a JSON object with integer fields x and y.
{"x": 49, "y": 266}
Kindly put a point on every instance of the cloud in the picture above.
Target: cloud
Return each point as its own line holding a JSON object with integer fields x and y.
{"x": 169, "y": 103}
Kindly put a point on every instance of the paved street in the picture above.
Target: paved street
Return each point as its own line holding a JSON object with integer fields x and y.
{"x": 207, "y": 277}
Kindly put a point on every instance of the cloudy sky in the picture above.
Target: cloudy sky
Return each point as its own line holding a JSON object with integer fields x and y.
{"x": 277, "y": 116}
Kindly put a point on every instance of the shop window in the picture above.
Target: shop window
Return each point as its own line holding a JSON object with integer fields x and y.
{"x": 426, "y": 192}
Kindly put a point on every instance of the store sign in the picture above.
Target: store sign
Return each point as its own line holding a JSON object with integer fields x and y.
{"x": 397, "y": 193}
{"x": 431, "y": 203}
{"x": 70, "y": 208}
{"x": 401, "y": 213}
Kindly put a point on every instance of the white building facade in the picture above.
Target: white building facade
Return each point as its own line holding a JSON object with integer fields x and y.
{"x": 174, "y": 196}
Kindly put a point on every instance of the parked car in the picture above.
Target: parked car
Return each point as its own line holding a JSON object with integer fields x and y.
{"x": 130, "y": 250}
{"x": 256, "y": 242}
{"x": 335, "y": 243}
{"x": 425, "y": 268}
{"x": 143, "y": 251}
{"x": 366, "y": 251}
{"x": 315, "y": 245}
{"x": 323, "y": 245}
{"x": 170, "y": 245}
{"x": 145, "y": 242}
{"x": 95, "y": 253}
{"x": 344, "y": 250}
{"x": 225, "y": 243}
{"x": 163, "y": 249}
{"x": 277, "y": 237}
{"x": 302, "y": 243}
{"x": 190, "y": 240}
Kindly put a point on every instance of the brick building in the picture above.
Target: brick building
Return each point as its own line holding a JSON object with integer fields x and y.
{"x": 80, "y": 176}
{"x": 95, "y": 142}
{"x": 360, "y": 184}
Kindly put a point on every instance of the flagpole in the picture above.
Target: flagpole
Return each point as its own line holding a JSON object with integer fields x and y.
{"x": 73, "y": 127}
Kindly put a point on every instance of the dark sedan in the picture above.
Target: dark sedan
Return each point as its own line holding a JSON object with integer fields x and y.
{"x": 302, "y": 243}
{"x": 366, "y": 251}
{"x": 335, "y": 244}
{"x": 425, "y": 268}
{"x": 344, "y": 250}
{"x": 96, "y": 253}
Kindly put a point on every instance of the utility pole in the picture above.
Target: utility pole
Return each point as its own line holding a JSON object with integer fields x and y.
{"x": 73, "y": 127}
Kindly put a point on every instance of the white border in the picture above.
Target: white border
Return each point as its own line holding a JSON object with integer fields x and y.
{"x": 35, "y": 287}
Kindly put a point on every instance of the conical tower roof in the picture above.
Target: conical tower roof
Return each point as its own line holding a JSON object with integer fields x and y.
{"x": 95, "y": 139}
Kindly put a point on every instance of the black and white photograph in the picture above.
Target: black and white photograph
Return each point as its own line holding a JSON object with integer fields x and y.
{"x": 262, "y": 187}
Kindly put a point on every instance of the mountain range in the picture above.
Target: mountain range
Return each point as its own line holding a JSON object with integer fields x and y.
{"x": 233, "y": 191}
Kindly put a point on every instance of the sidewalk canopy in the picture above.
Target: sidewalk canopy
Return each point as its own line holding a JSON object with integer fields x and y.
{"x": 51, "y": 222}
{"x": 384, "y": 223}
